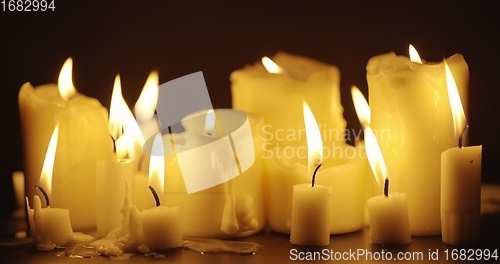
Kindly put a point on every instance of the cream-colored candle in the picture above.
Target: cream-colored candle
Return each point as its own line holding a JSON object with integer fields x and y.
{"x": 276, "y": 94}
{"x": 112, "y": 176}
{"x": 389, "y": 223}
{"x": 460, "y": 181}
{"x": 387, "y": 213}
{"x": 83, "y": 140}
{"x": 161, "y": 225}
{"x": 410, "y": 100}
{"x": 311, "y": 214}
{"x": 233, "y": 208}
{"x": 343, "y": 171}
{"x": 50, "y": 227}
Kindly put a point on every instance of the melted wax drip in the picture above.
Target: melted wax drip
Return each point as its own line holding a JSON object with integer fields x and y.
{"x": 205, "y": 246}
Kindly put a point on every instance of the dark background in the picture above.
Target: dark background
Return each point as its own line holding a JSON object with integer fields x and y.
{"x": 177, "y": 38}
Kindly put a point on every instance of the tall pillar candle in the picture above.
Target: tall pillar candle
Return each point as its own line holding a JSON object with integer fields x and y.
{"x": 410, "y": 100}
{"x": 277, "y": 96}
{"x": 83, "y": 140}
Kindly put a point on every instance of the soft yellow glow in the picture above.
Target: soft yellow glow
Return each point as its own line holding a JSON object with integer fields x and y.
{"x": 375, "y": 157}
{"x": 210, "y": 122}
{"x": 457, "y": 110}
{"x": 271, "y": 66}
{"x": 122, "y": 125}
{"x": 414, "y": 57}
{"x": 361, "y": 105}
{"x": 313, "y": 137}
{"x": 65, "y": 82}
{"x": 48, "y": 163}
{"x": 146, "y": 104}
{"x": 157, "y": 165}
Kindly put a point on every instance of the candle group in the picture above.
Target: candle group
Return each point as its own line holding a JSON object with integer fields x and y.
{"x": 232, "y": 172}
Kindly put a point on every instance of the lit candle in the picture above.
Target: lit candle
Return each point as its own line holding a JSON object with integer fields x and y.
{"x": 128, "y": 140}
{"x": 343, "y": 171}
{"x": 50, "y": 227}
{"x": 144, "y": 108}
{"x": 387, "y": 213}
{"x": 291, "y": 78}
{"x": 410, "y": 100}
{"x": 460, "y": 180}
{"x": 83, "y": 140}
{"x": 311, "y": 214}
{"x": 161, "y": 225}
{"x": 229, "y": 200}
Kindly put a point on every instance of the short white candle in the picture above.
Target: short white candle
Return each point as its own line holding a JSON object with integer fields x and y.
{"x": 311, "y": 214}
{"x": 388, "y": 216}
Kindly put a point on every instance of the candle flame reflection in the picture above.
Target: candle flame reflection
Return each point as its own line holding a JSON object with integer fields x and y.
{"x": 375, "y": 157}
{"x": 157, "y": 165}
{"x": 271, "y": 66}
{"x": 457, "y": 110}
{"x": 361, "y": 105}
{"x": 313, "y": 138}
{"x": 122, "y": 125}
{"x": 48, "y": 163}
{"x": 414, "y": 57}
{"x": 65, "y": 82}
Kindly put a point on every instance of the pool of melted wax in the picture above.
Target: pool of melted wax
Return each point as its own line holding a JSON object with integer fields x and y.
{"x": 207, "y": 246}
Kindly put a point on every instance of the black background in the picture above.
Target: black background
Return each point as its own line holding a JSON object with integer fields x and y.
{"x": 176, "y": 38}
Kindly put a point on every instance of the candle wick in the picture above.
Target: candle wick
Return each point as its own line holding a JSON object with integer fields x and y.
{"x": 155, "y": 195}
{"x": 314, "y": 174}
{"x": 114, "y": 143}
{"x": 386, "y": 187}
{"x": 461, "y": 137}
{"x": 44, "y": 193}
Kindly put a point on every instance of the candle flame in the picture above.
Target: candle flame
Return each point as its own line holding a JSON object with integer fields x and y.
{"x": 48, "y": 163}
{"x": 361, "y": 105}
{"x": 457, "y": 110}
{"x": 65, "y": 82}
{"x": 157, "y": 165}
{"x": 313, "y": 138}
{"x": 146, "y": 104}
{"x": 210, "y": 122}
{"x": 122, "y": 125}
{"x": 375, "y": 157}
{"x": 271, "y": 66}
{"x": 414, "y": 57}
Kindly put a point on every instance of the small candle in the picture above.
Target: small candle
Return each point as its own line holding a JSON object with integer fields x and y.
{"x": 460, "y": 180}
{"x": 311, "y": 214}
{"x": 387, "y": 213}
{"x": 161, "y": 225}
{"x": 409, "y": 100}
{"x": 49, "y": 227}
{"x": 84, "y": 140}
